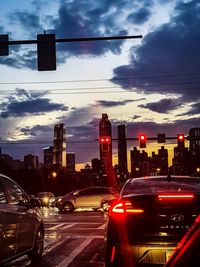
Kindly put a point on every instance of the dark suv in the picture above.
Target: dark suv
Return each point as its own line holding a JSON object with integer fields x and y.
{"x": 21, "y": 225}
{"x": 149, "y": 218}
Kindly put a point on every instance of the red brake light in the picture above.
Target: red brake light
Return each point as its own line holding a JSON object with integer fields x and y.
{"x": 175, "y": 196}
{"x": 125, "y": 207}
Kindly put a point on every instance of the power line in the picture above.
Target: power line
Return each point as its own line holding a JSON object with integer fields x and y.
{"x": 98, "y": 80}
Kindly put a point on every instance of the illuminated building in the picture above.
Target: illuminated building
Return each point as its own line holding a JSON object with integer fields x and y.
{"x": 105, "y": 149}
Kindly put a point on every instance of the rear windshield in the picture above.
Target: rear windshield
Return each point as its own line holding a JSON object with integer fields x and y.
{"x": 154, "y": 186}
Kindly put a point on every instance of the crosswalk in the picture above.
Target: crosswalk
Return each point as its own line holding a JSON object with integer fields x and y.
{"x": 71, "y": 241}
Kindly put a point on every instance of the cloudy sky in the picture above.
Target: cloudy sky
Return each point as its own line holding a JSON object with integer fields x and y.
{"x": 151, "y": 84}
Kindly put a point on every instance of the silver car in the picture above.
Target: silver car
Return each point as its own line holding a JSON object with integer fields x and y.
{"x": 21, "y": 225}
{"x": 89, "y": 197}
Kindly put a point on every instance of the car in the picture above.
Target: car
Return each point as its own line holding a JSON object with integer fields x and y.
{"x": 89, "y": 197}
{"x": 21, "y": 225}
{"x": 149, "y": 219}
{"x": 47, "y": 199}
{"x": 186, "y": 253}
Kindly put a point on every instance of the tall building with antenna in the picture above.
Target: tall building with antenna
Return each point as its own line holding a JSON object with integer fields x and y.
{"x": 105, "y": 131}
{"x": 105, "y": 149}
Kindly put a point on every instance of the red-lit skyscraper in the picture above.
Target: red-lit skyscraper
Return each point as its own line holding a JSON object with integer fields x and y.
{"x": 105, "y": 148}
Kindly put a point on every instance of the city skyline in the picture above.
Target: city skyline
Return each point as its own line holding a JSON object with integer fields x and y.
{"x": 149, "y": 84}
{"x": 56, "y": 154}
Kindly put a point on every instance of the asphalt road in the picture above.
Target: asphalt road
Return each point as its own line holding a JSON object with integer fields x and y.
{"x": 74, "y": 240}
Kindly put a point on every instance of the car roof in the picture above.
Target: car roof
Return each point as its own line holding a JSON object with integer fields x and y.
{"x": 163, "y": 177}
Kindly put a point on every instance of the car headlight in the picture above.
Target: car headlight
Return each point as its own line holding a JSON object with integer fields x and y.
{"x": 60, "y": 200}
{"x": 46, "y": 199}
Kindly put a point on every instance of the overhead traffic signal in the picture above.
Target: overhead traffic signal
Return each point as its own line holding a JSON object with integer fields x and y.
{"x": 105, "y": 142}
{"x": 46, "y": 50}
{"x": 4, "y": 49}
{"x": 181, "y": 140}
{"x": 142, "y": 140}
{"x": 161, "y": 137}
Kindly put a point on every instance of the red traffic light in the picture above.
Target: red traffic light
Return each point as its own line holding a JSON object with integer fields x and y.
{"x": 180, "y": 137}
{"x": 181, "y": 140}
{"x": 105, "y": 140}
{"x": 142, "y": 139}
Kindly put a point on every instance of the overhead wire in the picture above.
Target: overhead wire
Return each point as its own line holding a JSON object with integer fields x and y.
{"x": 108, "y": 79}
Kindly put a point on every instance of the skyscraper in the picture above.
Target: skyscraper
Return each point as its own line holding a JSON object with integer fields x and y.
{"x": 194, "y": 137}
{"x": 31, "y": 162}
{"x": 122, "y": 148}
{"x": 59, "y": 148}
{"x": 105, "y": 150}
{"x": 105, "y": 147}
{"x": 71, "y": 161}
{"x": 48, "y": 156}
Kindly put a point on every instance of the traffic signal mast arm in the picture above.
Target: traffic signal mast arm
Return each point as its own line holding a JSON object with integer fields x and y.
{"x": 68, "y": 40}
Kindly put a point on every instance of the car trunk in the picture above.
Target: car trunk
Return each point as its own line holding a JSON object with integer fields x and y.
{"x": 162, "y": 220}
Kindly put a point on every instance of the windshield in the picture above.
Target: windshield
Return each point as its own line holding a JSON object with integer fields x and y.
{"x": 154, "y": 186}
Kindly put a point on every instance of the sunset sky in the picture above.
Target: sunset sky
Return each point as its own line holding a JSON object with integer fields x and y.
{"x": 150, "y": 84}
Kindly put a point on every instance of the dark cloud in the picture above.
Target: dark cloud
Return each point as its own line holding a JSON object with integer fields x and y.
{"x": 162, "y": 106}
{"x": 28, "y": 20}
{"x": 24, "y": 103}
{"x": 88, "y": 20}
{"x": 168, "y": 61}
{"x": 152, "y": 128}
{"x": 78, "y": 19}
{"x": 135, "y": 117}
{"x": 27, "y": 61}
{"x": 37, "y": 130}
{"x": 195, "y": 110}
{"x": 140, "y": 16}
{"x": 109, "y": 104}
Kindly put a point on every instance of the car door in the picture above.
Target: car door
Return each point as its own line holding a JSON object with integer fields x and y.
{"x": 8, "y": 227}
{"x": 81, "y": 199}
{"x": 24, "y": 216}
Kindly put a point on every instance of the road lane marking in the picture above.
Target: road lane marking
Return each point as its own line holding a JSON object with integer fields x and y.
{"x": 53, "y": 245}
{"x": 56, "y": 226}
{"x": 75, "y": 252}
{"x": 69, "y": 225}
{"x": 102, "y": 226}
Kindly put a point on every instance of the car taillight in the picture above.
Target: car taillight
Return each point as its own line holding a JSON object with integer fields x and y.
{"x": 175, "y": 196}
{"x": 123, "y": 207}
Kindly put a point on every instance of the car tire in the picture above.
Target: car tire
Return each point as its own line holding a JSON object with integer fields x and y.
{"x": 37, "y": 251}
{"x": 67, "y": 207}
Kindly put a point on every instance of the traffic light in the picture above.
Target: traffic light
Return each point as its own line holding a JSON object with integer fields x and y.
{"x": 181, "y": 140}
{"x": 161, "y": 138}
{"x": 46, "y": 52}
{"x": 142, "y": 139}
{"x": 4, "y": 49}
{"x": 105, "y": 142}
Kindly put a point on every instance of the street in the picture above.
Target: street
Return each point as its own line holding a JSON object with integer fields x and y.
{"x": 75, "y": 240}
